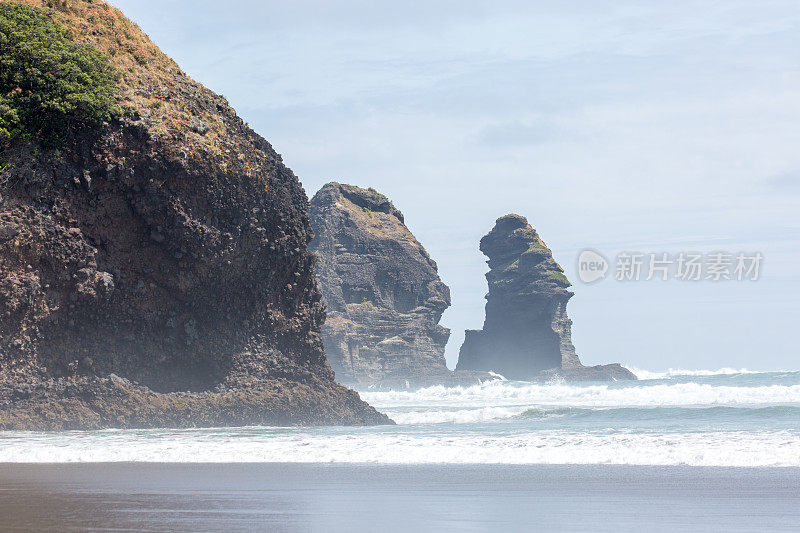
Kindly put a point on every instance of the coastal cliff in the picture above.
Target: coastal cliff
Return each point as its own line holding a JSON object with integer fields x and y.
{"x": 383, "y": 293}
{"x": 154, "y": 268}
{"x": 527, "y": 333}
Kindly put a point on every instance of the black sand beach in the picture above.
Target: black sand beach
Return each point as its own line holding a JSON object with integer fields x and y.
{"x": 339, "y": 497}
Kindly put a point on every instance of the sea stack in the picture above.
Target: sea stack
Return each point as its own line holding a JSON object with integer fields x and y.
{"x": 383, "y": 293}
{"x": 154, "y": 268}
{"x": 526, "y": 333}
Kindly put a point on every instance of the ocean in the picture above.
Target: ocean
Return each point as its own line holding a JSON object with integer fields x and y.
{"x": 725, "y": 418}
{"x": 675, "y": 451}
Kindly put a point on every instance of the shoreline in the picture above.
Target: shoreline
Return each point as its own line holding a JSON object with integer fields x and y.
{"x": 341, "y": 497}
{"x": 366, "y": 465}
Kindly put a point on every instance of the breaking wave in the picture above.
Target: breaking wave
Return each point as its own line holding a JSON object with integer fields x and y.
{"x": 672, "y": 372}
{"x": 637, "y": 394}
{"x": 728, "y": 417}
{"x": 741, "y": 448}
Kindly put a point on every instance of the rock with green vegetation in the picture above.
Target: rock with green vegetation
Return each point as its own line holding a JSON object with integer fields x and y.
{"x": 527, "y": 333}
{"x": 383, "y": 294}
{"x": 154, "y": 268}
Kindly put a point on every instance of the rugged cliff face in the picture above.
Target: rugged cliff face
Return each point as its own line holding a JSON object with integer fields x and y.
{"x": 383, "y": 293}
{"x": 527, "y": 333}
{"x": 166, "y": 247}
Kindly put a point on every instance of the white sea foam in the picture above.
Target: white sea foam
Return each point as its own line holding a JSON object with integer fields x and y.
{"x": 495, "y": 422}
{"x": 455, "y": 416}
{"x": 505, "y": 394}
{"x": 676, "y": 372}
{"x": 781, "y": 448}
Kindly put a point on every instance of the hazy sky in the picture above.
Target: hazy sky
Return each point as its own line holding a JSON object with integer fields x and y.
{"x": 613, "y": 125}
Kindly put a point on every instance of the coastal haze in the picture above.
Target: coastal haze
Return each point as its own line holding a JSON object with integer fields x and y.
{"x": 165, "y": 363}
{"x": 616, "y": 126}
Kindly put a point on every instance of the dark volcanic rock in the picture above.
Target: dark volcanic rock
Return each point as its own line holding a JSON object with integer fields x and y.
{"x": 168, "y": 248}
{"x": 383, "y": 293}
{"x": 527, "y": 333}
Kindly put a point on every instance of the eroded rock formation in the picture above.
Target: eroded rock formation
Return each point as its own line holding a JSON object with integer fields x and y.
{"x": 527, "y": 333}
{"x": 154, "y": 271}
{"x": 383, "y": 292}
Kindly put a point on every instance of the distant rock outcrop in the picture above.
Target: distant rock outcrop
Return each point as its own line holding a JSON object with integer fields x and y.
{"x": 527, "y": 333}
{"x": 383, "y": 294}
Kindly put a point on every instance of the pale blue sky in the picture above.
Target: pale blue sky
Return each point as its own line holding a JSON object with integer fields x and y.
{"x": 624, "y": 125}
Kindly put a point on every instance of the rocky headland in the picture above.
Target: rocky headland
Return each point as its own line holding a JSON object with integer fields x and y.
{"x": 527, "y": 333}
{"x": 154, "y": 268}
{"x": 383, "y": 294}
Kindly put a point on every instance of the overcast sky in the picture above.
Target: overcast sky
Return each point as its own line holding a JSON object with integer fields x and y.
{"x": 612, "y": 125}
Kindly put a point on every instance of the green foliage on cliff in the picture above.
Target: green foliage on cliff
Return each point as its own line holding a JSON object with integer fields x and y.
{"x": 50, "y": 86}
{"x": 559, "y": 277}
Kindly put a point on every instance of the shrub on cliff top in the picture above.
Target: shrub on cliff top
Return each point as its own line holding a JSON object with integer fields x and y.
{"x": 50, "y": 86}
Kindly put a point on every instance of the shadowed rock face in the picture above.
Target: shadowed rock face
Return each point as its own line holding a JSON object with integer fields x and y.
{"x": 383, "y": 293}
{"x": 527, "y": 333}
{"x": 168, "y": 248}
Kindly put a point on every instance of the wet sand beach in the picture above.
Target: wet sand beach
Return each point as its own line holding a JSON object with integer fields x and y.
{"x": 345, "y": 497}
